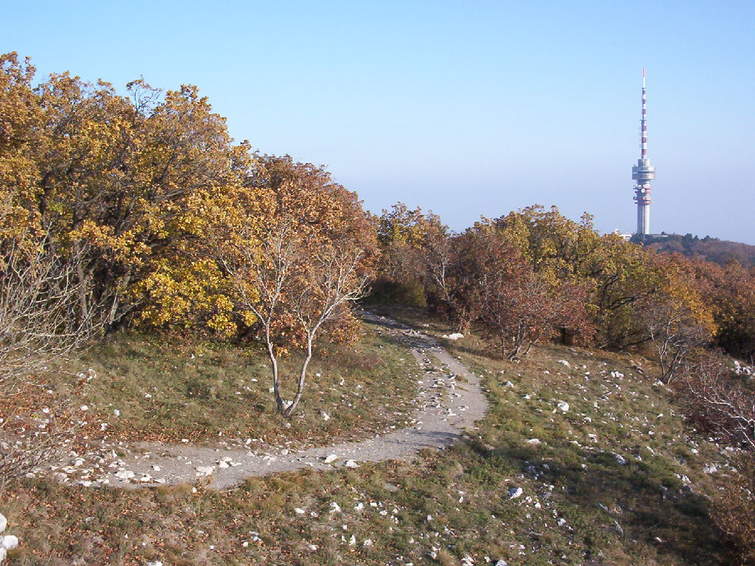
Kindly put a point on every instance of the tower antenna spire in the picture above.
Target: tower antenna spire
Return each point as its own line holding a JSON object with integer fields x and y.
{"x": 644, "y": 172}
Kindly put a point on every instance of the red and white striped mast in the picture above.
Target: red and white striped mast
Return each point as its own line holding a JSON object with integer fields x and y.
{"x": 644, "y": 172}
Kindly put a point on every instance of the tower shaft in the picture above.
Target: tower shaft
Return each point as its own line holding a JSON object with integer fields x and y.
{"x": 644, "y": 172}
{"x": 644, "y": 120}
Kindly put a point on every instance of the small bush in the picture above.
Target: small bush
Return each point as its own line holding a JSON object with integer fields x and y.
{"x": 408, "y": 293}
{"x": 734, "y": 510}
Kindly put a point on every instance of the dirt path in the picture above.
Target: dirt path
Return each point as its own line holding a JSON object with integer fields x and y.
{"x": 450, "y": 401}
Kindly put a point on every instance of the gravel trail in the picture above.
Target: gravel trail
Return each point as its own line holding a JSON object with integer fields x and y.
{"x": 449, "y": 402}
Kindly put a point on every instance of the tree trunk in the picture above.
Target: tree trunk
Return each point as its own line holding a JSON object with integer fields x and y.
{"x": 567, "y": 336}
{"x": 274, "y": 368}
{"x": 122, "y": 285}
{"x": 300, "y": 385}
{"x": 83, "y": 299}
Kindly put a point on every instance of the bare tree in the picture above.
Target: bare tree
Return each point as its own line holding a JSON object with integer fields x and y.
{"x": 41, "y": 315}
{"x": 437, "y": 252}
{"x": 41, "y": 321}
{"x": 719, "y": 401}
{"x": 518, "y": 312}
{"x": 733, "y": 507}
{"x": 294, "y": 287}
{"x": 674, "y": 334}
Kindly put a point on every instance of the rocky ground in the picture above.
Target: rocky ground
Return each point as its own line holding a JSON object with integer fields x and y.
{"x": 449, "y": 402}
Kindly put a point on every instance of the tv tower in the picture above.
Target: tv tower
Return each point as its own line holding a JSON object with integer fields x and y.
{"x": 643, "y": 172}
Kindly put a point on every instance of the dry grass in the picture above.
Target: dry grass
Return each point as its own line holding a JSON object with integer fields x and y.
{"x": 581, "y": 503}
{"x": 160, "y": 388}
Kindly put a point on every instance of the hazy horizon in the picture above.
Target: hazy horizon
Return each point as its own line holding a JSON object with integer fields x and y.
{"x": 469, "y": 110}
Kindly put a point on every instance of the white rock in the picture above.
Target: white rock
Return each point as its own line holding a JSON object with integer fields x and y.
{"x": 3, "y": 553}
{"x": 352, "y": 540}
{"x": 620, "y": 459}
{"x": 367, "y": 542}
{"x": 709, "y": 469}
{"x": 330, "y": 458}
{"x": 9, "y": 542}
{"x": 3, "y": 522}
{"x": 534, "y": 441}
{"x": 563, "y": 406}
{"x": 335, "y": 507}
{"x": 325, "y": 416}
{"x": 125, "y": 475}
{"x": 203, "y": 471}
{"x": 453, "y": 336}
{"x": 351, "y": 464}
{"x": 564, "y": 362}
{"x": 312, "y": 547}
{"x": 515, "y": 492}
{"x": 299, "y": 511}
{"x": 155, "y": 563}
{"x": 501, "y": 563}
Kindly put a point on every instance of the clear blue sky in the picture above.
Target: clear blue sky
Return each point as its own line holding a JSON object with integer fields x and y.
{"x": 467, "y": 108}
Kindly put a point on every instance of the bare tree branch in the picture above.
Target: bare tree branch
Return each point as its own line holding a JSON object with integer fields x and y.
{"x": 294, "y": 287}
{"x": 46, "y": 312}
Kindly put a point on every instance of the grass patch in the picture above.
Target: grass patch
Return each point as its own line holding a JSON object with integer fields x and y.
{"x": 169, "y": 388}
{"x": 614, "y": 479}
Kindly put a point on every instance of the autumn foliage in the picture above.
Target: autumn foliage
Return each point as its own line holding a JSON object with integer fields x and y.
{"x": 535, "y": 275}
{"x": 164, "y": 221}
{"x": 168, "y": 223}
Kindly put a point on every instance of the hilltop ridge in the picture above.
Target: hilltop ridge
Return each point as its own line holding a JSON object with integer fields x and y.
{"x": 708, "y": 248}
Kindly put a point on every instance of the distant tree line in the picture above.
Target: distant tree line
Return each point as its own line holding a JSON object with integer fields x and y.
{"x": 535, "y": 275}
{"x": 710, "y": 249}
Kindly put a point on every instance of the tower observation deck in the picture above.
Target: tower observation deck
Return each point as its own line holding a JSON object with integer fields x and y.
{"x": 644, "y": 172}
